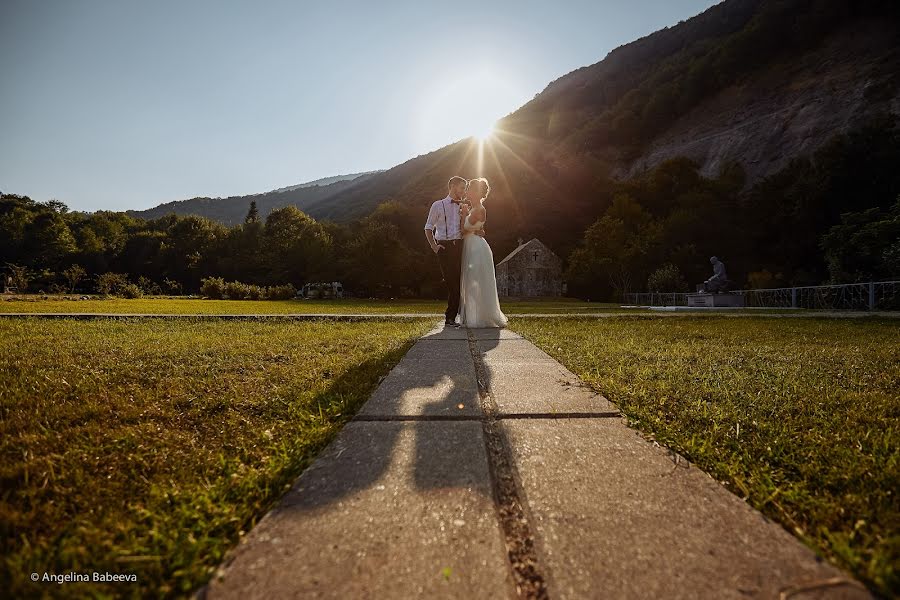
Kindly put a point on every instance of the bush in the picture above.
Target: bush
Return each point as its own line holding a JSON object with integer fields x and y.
{"x": 255, "y": 292}
{"x": 281, "y": 292}
{"x": 216, "y": 287}
{"x": 667, "y": 278}
{"x": 148, "y": 286}
{"x": 172, "y": 287}
{"x": 235, "y": 290}
{"x": 759, "y": 280}
{"x": 212, "y": 287}
{"x": 111, "y": 284}
{"x": 130, "y": 290}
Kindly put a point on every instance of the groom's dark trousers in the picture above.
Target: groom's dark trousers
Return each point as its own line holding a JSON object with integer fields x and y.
{"x": 449, "y": 258}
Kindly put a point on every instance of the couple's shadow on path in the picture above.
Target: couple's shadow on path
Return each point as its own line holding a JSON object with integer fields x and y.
{"x": 401, "y": 503}
{"x": 421, "y": 429}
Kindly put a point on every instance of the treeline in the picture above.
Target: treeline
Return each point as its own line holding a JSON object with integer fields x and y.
{"x": 833, "y": 217}
{"x": 830, "y": 217}
{"x": 45, "y": 247}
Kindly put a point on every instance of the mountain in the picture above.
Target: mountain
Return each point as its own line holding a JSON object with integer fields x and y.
{"x": 233, "y": 209}
{"x": 326, "y": 181}
{"x": 752, "y": 83}
{"x": 751, "y": 120}
{"x": 748, "y": 82}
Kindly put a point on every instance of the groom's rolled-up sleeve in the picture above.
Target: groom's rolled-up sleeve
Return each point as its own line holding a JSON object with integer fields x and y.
{"x": 431, "y": 222}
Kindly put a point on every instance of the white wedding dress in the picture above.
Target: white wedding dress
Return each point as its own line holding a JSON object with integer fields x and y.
{"x": 479, "y": 305}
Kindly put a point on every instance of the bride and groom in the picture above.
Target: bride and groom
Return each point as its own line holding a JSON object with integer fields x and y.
{"x": 454, "y": 230}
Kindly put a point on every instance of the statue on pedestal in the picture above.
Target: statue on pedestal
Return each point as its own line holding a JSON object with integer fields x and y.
{"x": 719, "y": 281}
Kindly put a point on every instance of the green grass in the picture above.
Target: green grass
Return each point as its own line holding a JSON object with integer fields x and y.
{"x": 150, "y": 446}
{"x": 799, "y": 416}
{"x": 163, "y": 305}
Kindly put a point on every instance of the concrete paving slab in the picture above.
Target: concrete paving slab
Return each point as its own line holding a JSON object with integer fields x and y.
{"x": 492, "y": 333}
{"x": 441, "y": 350}
{"x": 540, "y": 386}
{"x": 388, "y": 510}
{"x": 520, "y": 351}
{"x": 406, "y": 508}
{"x": 616, "y": 517}
{"x": 445, "y": 333}
{"x": 417, "y": 387}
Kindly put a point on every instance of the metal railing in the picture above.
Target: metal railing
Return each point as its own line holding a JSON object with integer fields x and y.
{"x": 656, "y": 298}
{"x": 872, "y": 295}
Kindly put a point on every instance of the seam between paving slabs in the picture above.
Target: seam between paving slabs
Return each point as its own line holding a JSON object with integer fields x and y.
{"x": 514, "y": 520}
{"x": 500, "y": 417}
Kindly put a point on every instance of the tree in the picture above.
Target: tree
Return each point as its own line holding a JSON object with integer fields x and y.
{"x": 252, "y": 214}
{"x": 190, "y": 249}
{"x": 73, "y": 276}
{"x": 19, "y": 275}
{"x": 48, "y": 239}
{"x": 376, "y": 261}
{"x": 296, "y": 247}
{"x": 864, "y": 246}
{"x": 667, "y": 278}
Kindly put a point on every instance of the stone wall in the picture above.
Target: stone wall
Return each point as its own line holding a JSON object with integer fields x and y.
{"x": 530, "y": 270}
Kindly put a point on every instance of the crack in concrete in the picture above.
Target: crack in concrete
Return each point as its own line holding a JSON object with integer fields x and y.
{"x": 523, "y": 561}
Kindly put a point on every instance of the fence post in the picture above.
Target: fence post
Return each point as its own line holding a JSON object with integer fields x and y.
{"x": 793, "y": 297}
{"x": 871, "y": 295}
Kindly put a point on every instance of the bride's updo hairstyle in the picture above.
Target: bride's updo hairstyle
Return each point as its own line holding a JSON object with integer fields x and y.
{"x": 483, "y": 187}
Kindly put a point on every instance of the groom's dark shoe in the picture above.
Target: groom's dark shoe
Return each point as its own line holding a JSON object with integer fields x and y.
{"x": 450, "y": 324}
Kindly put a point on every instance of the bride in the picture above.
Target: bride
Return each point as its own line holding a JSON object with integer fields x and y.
{"x": 478, "y": 302}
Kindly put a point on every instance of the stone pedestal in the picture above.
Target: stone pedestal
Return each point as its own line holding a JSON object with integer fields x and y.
{"x": 725, "y": 299}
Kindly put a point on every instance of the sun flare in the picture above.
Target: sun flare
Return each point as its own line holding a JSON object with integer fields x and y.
{"x": 468, "y": 105}
{"x": 485, "y": 132}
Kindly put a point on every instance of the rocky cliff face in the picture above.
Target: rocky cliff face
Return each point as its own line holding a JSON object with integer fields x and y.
{"x": 788, "y": 110}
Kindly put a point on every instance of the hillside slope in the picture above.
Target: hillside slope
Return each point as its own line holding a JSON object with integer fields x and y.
{"x": 788, "y": 109}
{"x": 751, "y": 81}
{"x": 233, "y": 209}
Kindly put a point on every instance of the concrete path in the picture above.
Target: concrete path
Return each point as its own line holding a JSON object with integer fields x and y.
{"x": 482, "y": 468}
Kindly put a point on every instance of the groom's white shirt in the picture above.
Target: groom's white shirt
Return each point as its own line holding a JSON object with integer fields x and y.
{"x": 443, "y": 219}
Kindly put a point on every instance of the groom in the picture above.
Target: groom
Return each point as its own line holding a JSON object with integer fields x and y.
{"x": 444, "y": 234}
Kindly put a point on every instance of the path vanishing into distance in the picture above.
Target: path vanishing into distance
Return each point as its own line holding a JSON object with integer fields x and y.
{"x": 482, "y": 468}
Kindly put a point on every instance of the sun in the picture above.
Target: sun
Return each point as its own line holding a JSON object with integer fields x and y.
{"x": 485, "y": 131}
{"x": 466, "y": 106}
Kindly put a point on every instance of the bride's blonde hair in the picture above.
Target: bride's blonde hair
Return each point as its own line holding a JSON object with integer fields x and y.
{"x": 484, "y": 188}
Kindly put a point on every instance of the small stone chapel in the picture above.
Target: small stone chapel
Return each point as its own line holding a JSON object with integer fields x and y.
{"x": 530, "y": 270}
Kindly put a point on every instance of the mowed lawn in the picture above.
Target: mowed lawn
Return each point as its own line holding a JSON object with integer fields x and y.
{"x": 150, "y": 446}
{"x": 170, "y": 305}
{"x": 799, "y": 416}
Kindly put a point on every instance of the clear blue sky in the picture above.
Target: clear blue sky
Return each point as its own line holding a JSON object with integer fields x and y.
{"x": 125, "y": 104}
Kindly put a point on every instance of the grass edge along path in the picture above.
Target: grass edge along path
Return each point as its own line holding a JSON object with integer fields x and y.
{"x": 151, "y": 446}
{"x": 800, "y": 417}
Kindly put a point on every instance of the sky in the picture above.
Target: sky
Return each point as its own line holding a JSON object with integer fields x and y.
{"x": 124, "y": 104}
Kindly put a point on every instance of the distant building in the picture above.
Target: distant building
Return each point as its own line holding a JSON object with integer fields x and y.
{"x": 530, "y": 270}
